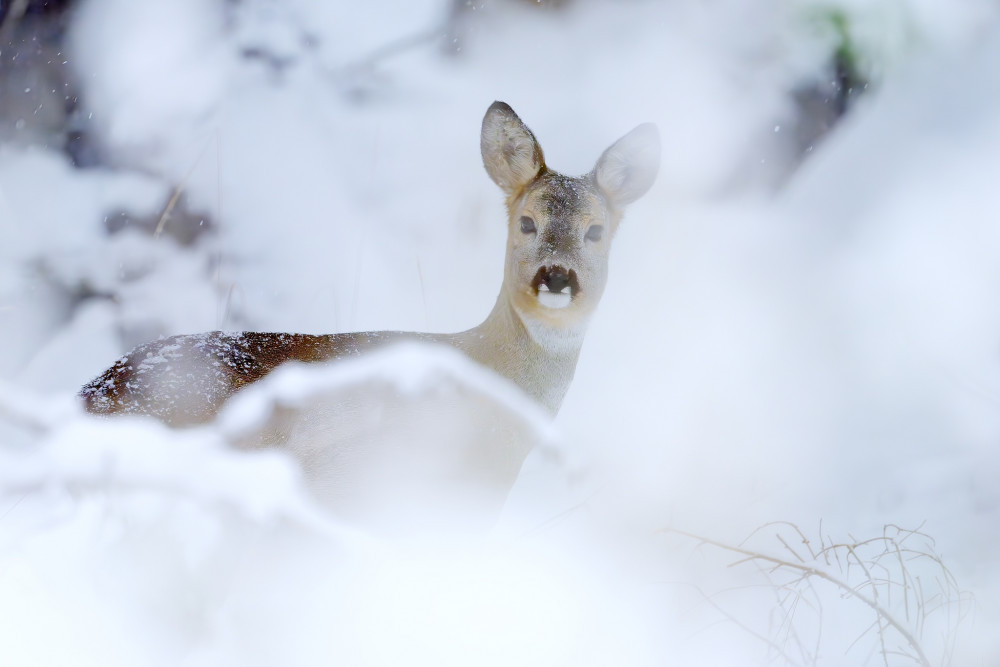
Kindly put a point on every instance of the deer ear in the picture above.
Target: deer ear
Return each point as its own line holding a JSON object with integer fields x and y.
{"x": 511, "y": 155}
{"x": 627, "y": 170}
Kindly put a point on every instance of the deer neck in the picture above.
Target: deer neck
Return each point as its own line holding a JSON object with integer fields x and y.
{"x": 539, "y": 358}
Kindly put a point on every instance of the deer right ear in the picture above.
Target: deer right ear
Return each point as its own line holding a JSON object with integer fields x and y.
{"x": 627, "y": 170}
{"x": 511, "y": 154}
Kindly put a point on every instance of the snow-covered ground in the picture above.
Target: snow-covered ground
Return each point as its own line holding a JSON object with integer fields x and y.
{"x": 815, "y": 343}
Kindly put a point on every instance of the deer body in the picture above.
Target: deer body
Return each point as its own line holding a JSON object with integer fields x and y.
{"x": 559, "y": 235}
{"x": 185, "y": 380}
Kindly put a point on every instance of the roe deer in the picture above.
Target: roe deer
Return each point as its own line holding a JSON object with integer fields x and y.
{"x": 559, "y": 234}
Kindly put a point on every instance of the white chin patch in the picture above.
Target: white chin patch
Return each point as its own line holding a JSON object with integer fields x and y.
{"x": 553, "y": 299}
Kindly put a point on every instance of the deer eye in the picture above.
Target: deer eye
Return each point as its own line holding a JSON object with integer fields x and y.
{"x": 528, "y": 225}
{"x": 594, "y": 233}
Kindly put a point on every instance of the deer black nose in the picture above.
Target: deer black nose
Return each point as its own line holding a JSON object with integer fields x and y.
{"x": 556, "y": 279}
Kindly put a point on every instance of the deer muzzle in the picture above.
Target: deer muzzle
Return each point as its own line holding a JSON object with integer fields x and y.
{"x": 555, "y": 286}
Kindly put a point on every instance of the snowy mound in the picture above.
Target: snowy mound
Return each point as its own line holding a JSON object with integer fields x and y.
{"x": 125, "y": 542}
{"x": 404, "y": 437}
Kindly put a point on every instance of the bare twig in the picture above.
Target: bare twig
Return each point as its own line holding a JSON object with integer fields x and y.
{"x": 790, "y": 550}
{"x": 423, "y": 290}
{"x": 178, "y": 191}
{"x": 372, "y": 60}
{"x": 735, "y": 621}
{"x": 871, "y": 601}
{"x": 14, "y": 506}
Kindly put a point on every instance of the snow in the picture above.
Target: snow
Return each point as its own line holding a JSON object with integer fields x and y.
{"x": 553, "y": 299}
{"x": 814, "y": 342}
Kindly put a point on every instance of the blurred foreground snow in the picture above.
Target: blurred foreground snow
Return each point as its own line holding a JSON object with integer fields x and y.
{"x": 177, "y": 549}
{"x": 825, "y": 354}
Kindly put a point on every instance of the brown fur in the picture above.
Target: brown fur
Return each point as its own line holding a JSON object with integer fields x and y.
{"x": 155, "y": 378}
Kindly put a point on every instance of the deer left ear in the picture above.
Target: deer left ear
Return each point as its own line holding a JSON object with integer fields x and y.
{"x": 511, "y": 154}
{"x": 628, "y": 169}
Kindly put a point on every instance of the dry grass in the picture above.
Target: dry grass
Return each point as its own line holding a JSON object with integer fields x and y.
{"x": 898, "y": 576}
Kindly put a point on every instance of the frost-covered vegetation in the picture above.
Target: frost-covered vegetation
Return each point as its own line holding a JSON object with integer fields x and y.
{"x": 794, "y": 367}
